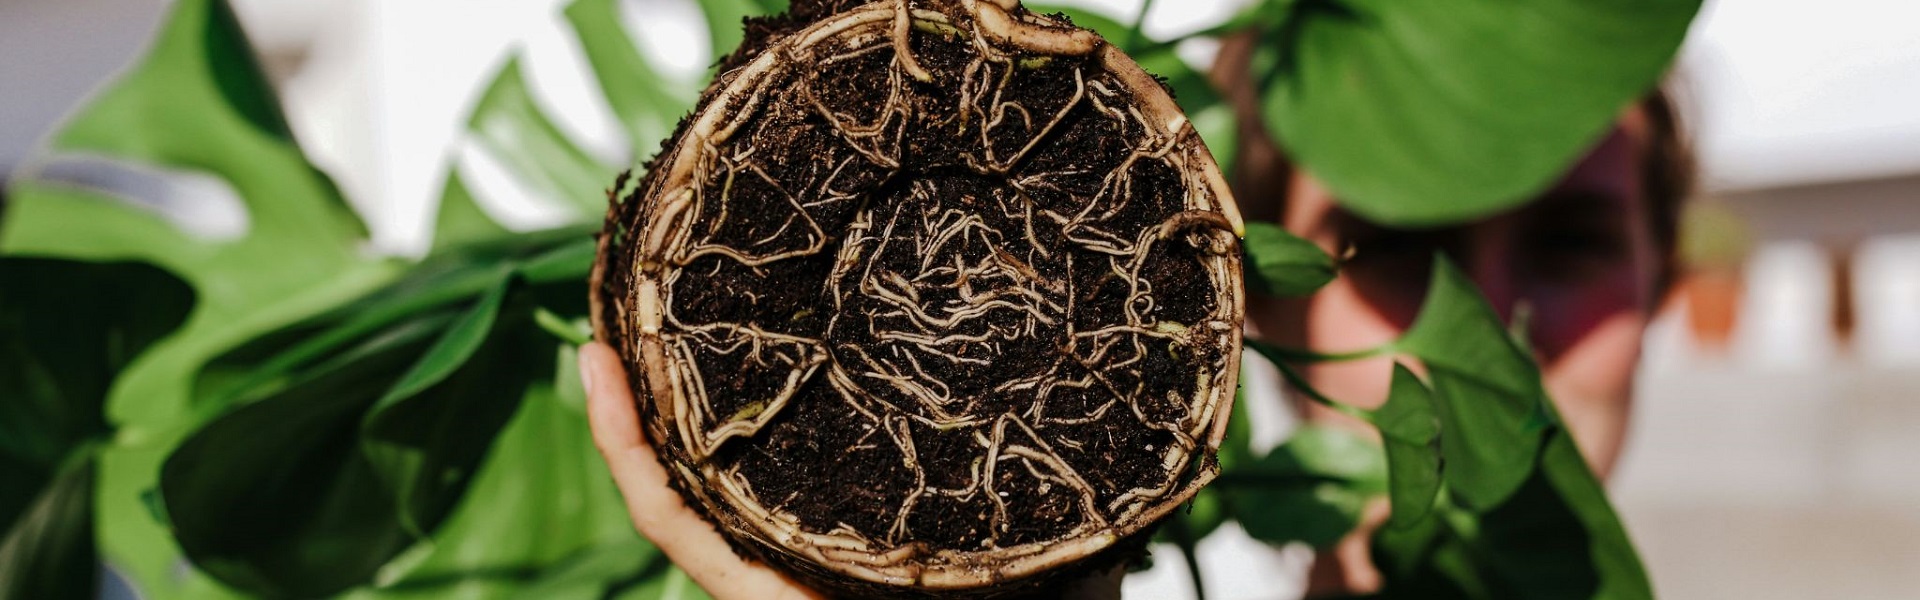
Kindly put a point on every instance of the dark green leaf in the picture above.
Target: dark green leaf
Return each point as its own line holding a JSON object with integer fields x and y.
{"x": 1310, "y": 489}
{"x": 429, "y": 430}
{"x": 542, "y": 511}
{"x": 67, "y": 329}
{"x": 1421, "y": 113}
{"x": 48, "y": 551}
{"x": 510, "y": 124}
{"x": 276, "y": 498}
{"x": 1408, "y": 429}
{"x": 1280, "y": 263}
{"x": 1488, "y": 390}
{"x": 1621, "y": 576}
{"x": 568, "y": 261}
{"x": 1556, "y": 537}
{"x": 646, "y": 103}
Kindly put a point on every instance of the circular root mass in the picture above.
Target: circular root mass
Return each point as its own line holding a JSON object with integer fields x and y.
{"x": 933, "y": 299}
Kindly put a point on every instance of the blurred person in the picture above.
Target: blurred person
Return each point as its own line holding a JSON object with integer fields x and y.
{"x": 1591, "y": 259}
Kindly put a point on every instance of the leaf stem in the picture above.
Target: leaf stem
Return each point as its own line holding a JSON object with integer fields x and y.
{"x": 1134, "y": 35}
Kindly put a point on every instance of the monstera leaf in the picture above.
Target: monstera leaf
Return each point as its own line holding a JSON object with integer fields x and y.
{"x": 1421, "y": 113}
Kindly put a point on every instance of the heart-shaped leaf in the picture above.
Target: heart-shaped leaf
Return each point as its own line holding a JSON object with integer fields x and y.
{"x": 1282, "y": 264}
{"x": 1421, "y": 113}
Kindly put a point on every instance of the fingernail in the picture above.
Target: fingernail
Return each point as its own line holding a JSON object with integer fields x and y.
{"x": 585, "y": 359}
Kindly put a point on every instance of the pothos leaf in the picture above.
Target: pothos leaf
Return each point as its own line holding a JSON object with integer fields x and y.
{"x": 1310, "y": 489}
{"x": 1422, "y": 113}
{"x": 1280, "y": 263}
{"x": 1490, "y": 399}
{"x": 1408, "y": 430}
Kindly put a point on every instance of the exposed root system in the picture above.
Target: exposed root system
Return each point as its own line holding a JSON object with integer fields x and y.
{"x": 930, "y": 296}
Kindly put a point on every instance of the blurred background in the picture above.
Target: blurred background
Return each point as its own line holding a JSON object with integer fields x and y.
{"x": 1776, "y": 452}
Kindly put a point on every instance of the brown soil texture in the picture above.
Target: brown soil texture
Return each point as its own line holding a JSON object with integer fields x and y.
{"x": 963, "y": 314}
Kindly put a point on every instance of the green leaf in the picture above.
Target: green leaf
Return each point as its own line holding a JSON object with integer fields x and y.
{"x": 1280, "y": 263}
{"x": 48, "y": 551}
{"x": 541, "y": 513}
{"x": 594, "y": 572}
{"x": 276, "y": 498}
{"x": 725, "y": 18}
{"x": 1310, "y": 489}
{"x": 66, "y": 329}
{"x": 1408, "y": 430}
{"x": 1621, "y": 575}
{"x": 196, "y": 104}
{"x": 461, "y": 222}
{"x": 512, "y": 127}
{"x": 429, "y": 430}
{"x": 1490, "y": 399}
{"x": 672, "y": 584}
{"x": 1423, "y": 113}
{"x": 646, "y": 103}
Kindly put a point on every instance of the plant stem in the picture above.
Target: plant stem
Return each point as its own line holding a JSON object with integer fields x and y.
{"x": 1134, "y": 36}
{"x": 1183, "y": 537}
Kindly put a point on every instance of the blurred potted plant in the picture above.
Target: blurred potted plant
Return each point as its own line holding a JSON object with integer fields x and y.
{"x": 1714, "y": 245}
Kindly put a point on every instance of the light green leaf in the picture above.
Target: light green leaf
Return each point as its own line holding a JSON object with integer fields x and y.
{"x": 1280, "y": 263}
{"x": 1408, "y": 429}
{"x": 592, "y": 573}
{"x": 1423, "y": 113}
{"x": 460, "y": 221}
{"x": 1488, "y": 390}
{"x": 510, "y": 124}
{"x": 725, "y": 27}
{"x": 48, "y": 551}
{"x": 672, "y": 584}
{"x": 646, "y": 103}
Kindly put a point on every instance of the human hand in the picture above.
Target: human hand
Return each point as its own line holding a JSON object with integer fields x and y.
{"x": 657, "y": 510}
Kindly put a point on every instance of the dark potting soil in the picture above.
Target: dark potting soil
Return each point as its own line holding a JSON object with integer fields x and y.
{"x": 985, "y": 325}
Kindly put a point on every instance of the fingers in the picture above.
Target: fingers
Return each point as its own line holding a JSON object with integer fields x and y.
{"x": 657, "y": 510}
